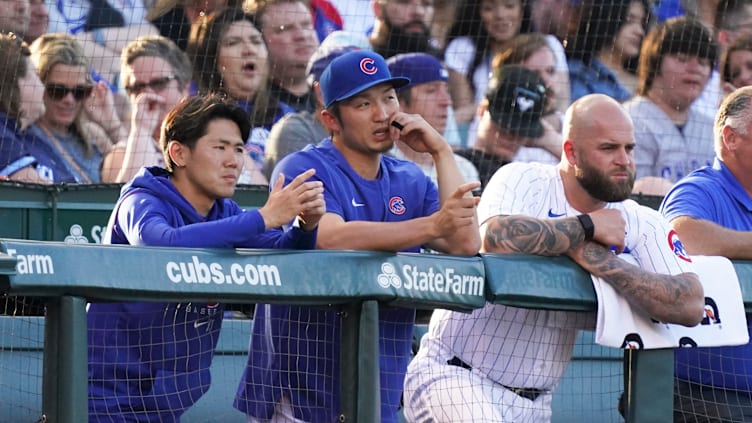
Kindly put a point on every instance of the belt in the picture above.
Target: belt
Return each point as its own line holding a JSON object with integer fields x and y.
{"x": 527, "y": 393}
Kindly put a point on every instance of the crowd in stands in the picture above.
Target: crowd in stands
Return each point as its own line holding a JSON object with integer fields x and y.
{"x": 260, "y": 54}
{"x": 85, "y": 85}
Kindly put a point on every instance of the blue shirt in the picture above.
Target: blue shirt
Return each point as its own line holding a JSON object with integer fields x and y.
{"x": 594, "y": 79}
{"x": 30, "y": 148}
{"x": 712, "y": 193}
{"x": 294, "y": 350}
{"x": 149, "y": 361}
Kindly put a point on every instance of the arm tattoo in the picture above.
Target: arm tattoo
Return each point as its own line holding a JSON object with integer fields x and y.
{"x": 659, "y": 295}
{"x": 527, "y": 235}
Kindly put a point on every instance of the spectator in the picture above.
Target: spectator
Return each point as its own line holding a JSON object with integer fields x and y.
{"x": 39, "y": 20}
{"x": 554, "y": 17}
{"x": 483, "y": 29}
{"x": 533, "y": 51}
{"x": 609, "y": 34}
{"x": 736, "y": 64}
{"x": 156, "y": 74}
{"x": 103, "y": 28}
{"x": 710, "y": 210}
{"x": 80, "y": 119}
{"x": 229, "y": 55}
{"x": 503, "y": 363}
{"x": 287, "y": 27}
{"x": 402, "y": 26}
{"x": 510, "y": 117}
{"x": 15, "y": 16}
{"x": 173, "y": 18}
{"x": 675, "y": 63}
{"x": 427, "y": 95}
{"x": 22, "y": 157}
{"x": 357, "y": 15}
{"x": 374, "y": 202}
{"x": 296, "y": 130}
{"x": 733, "y": 18}
{"x": 149, "y": 361}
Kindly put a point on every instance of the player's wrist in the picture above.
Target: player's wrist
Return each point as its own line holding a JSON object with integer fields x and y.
{"x": 587, "y": 226}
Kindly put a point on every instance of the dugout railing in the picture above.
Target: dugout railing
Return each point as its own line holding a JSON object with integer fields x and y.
{"x": 91, "y": 272}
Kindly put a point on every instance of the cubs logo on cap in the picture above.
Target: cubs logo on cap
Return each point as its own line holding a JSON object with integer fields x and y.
{"x": 354, "y": 72}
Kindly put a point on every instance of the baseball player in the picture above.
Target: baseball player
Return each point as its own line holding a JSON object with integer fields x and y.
{"x": 374, "y": 202}
{"x": 149, "y": 362}
{"x": 502, "y": 363}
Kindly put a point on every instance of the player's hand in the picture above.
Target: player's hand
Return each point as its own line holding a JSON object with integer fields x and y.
{"x": 300, "y": 197}
{"x": 610, "y": 228}
{"x": 416, "y": 133}
{"x": 458, "y": 211}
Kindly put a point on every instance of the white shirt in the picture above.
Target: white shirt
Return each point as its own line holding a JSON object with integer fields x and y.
{"x": 531, "y": 348}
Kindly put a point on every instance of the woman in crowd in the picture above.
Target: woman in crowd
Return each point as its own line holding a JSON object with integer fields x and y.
{"x": 736, "y": 64}
{"x": 471, "y": 47}
{"x": 610, "y": 34}
{"x": 80, "y": 117}
{"x": 23, "y": 157}
{"x": 229, "y": 55}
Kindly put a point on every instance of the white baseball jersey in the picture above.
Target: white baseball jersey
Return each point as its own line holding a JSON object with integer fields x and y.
{"x": 527, "y": 348}
{"x": 663, "y": 149}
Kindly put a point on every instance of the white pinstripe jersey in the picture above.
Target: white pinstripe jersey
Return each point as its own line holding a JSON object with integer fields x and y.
{"x": 531, "y": 348}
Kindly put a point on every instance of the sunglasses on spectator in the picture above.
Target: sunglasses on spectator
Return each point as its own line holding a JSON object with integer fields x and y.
{"x": 156, "y": 85}
{"x": 59, "y": 91}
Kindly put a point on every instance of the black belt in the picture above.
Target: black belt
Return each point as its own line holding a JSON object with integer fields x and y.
{"x": 527, "y": 393}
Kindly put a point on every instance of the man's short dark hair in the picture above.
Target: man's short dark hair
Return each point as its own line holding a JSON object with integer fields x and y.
{"x": 188, "y": 120}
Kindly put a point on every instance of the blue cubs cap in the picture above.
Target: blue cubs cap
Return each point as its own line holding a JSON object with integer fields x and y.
{"x": 354, "y": 72}
{"x": 421, "y": 68}
{"x": 321, "y": 59}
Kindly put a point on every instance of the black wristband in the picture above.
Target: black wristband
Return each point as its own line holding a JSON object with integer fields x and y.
{"x": 587, "y": 226}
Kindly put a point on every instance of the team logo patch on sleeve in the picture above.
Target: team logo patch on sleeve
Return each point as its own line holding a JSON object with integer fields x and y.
{"x": 397, "y": 205}
{"x": 677, "y": 247}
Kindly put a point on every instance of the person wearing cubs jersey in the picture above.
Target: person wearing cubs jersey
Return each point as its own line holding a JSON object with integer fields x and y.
{"x": 502, "y": 363}
{"x": 711, "y": 209}
{"x": 149, "y": 361}
{"x": 374, "y": 202}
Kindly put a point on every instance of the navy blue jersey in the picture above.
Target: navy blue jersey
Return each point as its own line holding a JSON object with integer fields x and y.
{"x": 149, "y": 361}
{"x": 294, "y": 350}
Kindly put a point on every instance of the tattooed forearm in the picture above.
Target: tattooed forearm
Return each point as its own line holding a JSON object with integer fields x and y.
{"x": 668, "y": 298}
{"x": 527, "y": 235}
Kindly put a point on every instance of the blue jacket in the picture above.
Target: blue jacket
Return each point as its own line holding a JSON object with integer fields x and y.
{"x": 149, "y": 361}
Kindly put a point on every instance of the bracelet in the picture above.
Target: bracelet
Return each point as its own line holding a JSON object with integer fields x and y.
{"x": 587, "y": 226}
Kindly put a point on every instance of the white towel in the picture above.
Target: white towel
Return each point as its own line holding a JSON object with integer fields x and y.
{"x": 620, "y": 326}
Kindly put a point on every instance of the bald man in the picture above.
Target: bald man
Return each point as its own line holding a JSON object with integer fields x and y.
{"x": 502, "y": 363}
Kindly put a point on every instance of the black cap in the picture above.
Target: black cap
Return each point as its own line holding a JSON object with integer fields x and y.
{"x": 516, "y": 100}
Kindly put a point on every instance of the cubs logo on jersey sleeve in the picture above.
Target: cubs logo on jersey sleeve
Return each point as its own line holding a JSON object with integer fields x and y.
{"x": 677, "y": 247}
